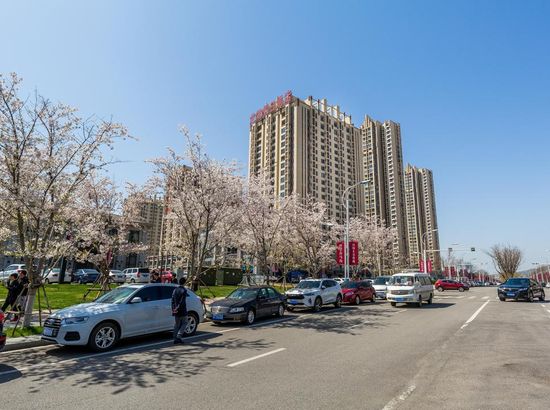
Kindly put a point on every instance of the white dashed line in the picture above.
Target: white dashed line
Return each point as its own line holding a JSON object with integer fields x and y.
{"x": 256, "y": 357}
{"x": 474, "y": 315}
{"x": 485, "y": 297}
{"x": 393, "y": 403}
{"x": 472, "y": 297}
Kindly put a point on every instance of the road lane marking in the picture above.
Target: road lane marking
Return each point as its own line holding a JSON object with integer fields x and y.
{"x": 393, "y": 403}
{"x": 485, "y": 297}
{"x": 543, "y": 306}
{"x": 256, "y": 357}
{"x": 472, "y": 297}
{"x": 474, "y": 315}
{"x": 548, "y": 310}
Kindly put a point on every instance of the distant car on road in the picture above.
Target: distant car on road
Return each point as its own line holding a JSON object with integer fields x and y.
{"x": 357, "y": 291}
{"x": 52, "y": 276}
{"x": 410, "y": 287}
{"x": 127, "y": 311}
{"x": 314, "y": 293}
{"x": 295, "y": 276}
{"x": 137, "y": 275}
{"x": 450, "y": 284}
{"x": 82, "y": 276}
{"x": 521, "y": 288}
{"x": 8, "y": 270}
{"x": 247, "y": 304}
{"x": 117, "y": 276}
{"x": 380, "y": 285}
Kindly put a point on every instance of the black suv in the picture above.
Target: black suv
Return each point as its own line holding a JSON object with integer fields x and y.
{"x": 520, "y": 288}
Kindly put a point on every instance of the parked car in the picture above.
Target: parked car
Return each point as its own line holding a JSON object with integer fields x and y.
{"x": 167, "y": 276}
{"x": 2, "y": 334}
{"x": 450, "y": 284}
{"x": 247, "y": 304}
{"x": 85, "y": 276}
{"x": 52, "y": 276}
{"x": 295, "y": 276}
{"x": 8, "y": 270}
{"x": 380, "y": 285}
{"x": 410, "y": 287}
{"x": 339, "y": 280}
{"x": 127, "y": 311}
{"x": 314, "y": 293}
{"x": 521, "y": 288}
{"x": 117, "y": 276}
{"x": 357, "y": 291}
{"x": 136, "y": 275}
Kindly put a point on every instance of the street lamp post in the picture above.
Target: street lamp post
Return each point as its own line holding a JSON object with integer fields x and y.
{"x": 345, "y": 204}
{"x": 424, "y": 248}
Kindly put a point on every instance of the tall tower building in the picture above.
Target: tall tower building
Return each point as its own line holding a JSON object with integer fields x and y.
{"x": 383, "y": 167}
{"x": 309, "y": 148}
{"x": 421, "y": 215}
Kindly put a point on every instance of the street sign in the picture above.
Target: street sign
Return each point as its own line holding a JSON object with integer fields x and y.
{"x": 340, "y": 258}
{"x": 354, "y": 253}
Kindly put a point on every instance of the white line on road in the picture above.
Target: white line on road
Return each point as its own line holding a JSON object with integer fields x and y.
{"x": 485, "y": 297}
{"x": 472, "y": 297}
{"x": 474, "y": 315}
{"x": 548, "y": 310}
{"x": 543, "y": 306}
{"x": 393, "y": 403}
{"x": 256, "y": 357}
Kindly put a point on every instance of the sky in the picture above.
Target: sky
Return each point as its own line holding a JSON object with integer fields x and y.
{"x": 468, "y": 81}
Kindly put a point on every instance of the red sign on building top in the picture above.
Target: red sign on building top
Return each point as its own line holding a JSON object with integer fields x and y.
{"x": 267, "y": 109}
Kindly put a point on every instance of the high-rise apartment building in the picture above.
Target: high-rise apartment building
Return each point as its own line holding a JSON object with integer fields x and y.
{"x": 421, "y": 215}
{"x": 309, "y": 148}
{"x": 383, "y": 167}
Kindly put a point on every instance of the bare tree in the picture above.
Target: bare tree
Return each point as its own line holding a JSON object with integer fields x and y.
{"x": 506, "y": 259}
{"x": 46, "y": 153}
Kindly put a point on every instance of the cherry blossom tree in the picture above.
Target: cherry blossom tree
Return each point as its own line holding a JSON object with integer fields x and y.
{"x": 46, "y": 152}
{"x": 203, "y": 198}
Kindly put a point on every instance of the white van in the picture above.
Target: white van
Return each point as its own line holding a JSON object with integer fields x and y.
{"x": 410, "y": 287}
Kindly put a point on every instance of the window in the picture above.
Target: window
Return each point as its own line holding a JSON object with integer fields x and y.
{"x": 166, "y": 292}
{"x": 262, "y": 293}
{"x": 272, "y": 293}
{"x": 149, "y": 294}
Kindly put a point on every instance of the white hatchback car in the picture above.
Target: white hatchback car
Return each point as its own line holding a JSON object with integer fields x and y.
{"x": 136, "y": 275}
{"x": 53, "y": 276}
{"x": 314, "y": 293}
{"x": 410, "y": 287}
{"x": 129, "y": 310}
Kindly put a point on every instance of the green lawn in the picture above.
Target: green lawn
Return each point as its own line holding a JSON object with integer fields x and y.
{"x": 21, "y": 331}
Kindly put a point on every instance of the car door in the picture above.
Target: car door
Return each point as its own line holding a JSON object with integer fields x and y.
{"x": 166, "y": 321}
{"x": 140, "y": 318}
{"x": 274, "y": 300}
{"x": 263, "y": 305}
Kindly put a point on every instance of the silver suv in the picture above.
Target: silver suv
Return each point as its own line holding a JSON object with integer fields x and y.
{"x": 314, "y": 293}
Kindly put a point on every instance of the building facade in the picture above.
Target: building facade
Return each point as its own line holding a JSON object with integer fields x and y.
{"x": 421, "y": 216}
{"x": 308, "y": 148}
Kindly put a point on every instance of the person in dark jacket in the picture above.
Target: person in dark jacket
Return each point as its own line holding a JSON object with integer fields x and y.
{"x": 179, "y": 311}
{"x": 14, "y": 289}
{"x": 24, "y": 288}
{"x": 155, "y": 277}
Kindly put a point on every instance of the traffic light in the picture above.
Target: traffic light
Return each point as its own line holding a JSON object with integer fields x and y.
{"x": 472, "y": 249}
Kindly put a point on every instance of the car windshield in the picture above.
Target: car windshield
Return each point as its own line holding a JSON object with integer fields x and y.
{"x": 348, "y": 284}
{"x": 517, "y": 281}
{"x": 402, "y": 280}
{"x": 381, "y": 280}
{"x": 116, "y": 296}
{"x": 309, "y": 284}
{"x": 243, "y": 293}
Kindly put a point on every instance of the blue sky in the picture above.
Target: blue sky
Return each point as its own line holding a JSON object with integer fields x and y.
{"x": 468, "y": 81}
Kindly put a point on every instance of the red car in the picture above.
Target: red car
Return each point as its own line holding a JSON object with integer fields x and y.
{"x": 449, "y": 284}
{"x": 357, "y": 291}
{"x": 166, "y": 276}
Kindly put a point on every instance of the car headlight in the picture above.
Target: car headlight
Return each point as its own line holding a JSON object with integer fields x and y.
{"x": 73, "y": 320}
{"x": 236, "y": 310}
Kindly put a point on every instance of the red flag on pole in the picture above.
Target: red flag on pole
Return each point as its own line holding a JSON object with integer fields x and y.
{"x": 421, "y": 265}
{"x": 429, "y": 263}
{"x": 340, "y": 258}
{"x": 354, "y": 253}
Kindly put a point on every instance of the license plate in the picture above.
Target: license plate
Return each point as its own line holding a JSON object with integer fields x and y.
{"x": 399, "y": 299}
{"x": 217, "y": 316}
{"x": 511, "y": 294}
{"x": 48, "y": 331}
{"x": 293, "y": 302}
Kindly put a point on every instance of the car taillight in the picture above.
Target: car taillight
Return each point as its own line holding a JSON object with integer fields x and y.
{"x": 1, "y": 317}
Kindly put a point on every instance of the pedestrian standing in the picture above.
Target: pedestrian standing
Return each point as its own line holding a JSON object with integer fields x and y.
{"x": 13, "y": 291}
{"x": 179, "y": 311}
{"x": 24, "y": 288}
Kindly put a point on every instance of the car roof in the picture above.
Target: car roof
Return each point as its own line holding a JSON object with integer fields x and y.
{"x": 410, "y": 274}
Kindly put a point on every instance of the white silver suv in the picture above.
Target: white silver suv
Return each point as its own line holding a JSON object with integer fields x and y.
{"x": 314, "y": 293}
{"x": 129, "y": 310}
{"x": 136, "y": 275}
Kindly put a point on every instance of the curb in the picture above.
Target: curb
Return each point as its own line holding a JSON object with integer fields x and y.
{"x": 24, "y": 344}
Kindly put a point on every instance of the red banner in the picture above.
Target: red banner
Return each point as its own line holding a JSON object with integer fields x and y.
{"x": 354, "y": 253}
{"x": 421, "y": 265}
{"x": 429, "y": 263}
{"x": 340, "y": 258}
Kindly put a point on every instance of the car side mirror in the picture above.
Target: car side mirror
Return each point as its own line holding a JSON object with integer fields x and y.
{"x": 323, "y": 287}
{"x": 137, "y": 299}
{"x": 387, "y": 283}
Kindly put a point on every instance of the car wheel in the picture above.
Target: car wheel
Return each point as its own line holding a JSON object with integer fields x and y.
{"x": 393, "y": 304}
{"x": 281, "y": 310}
{"x": 542, "y": 296}
{"x": 317, "y": 304}
{"x": 47, "y": 281}
{"x": 502, "y": 299}
{"x": 338, "y": 302}
{"x": 419, "y": 303}
{"x": 250, "y": 317}
{"x": 530, "y": 297}
{"x": 290, "y": 308}
{"x": 192, "y": 324}
{"x": 373, "y": 298}
{"x": 430, "y": 299}
{"x": 104, "y": 337}
{"x": 132, "y": 281}
{"x": 440, "y": 289}
{"x": 461, "y": 289}
{"x": 357, "y": 300}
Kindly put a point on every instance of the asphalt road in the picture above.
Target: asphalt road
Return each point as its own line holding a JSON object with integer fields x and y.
{"x": 466, "y": 351}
